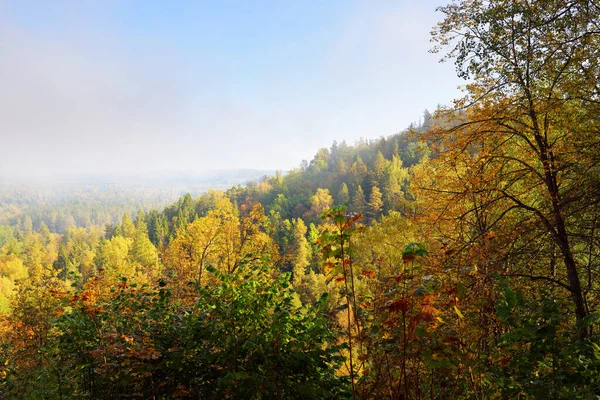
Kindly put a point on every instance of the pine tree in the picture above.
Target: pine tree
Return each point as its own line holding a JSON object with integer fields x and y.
{"x": 127, "y": 226}
{"x": 375, "y": 203}
{"x": 320, "y": 202}
{"x": 379, "y": 168}
{"x": 359, "y": 203}
{"x": 343, "y": 194}
{"x": 302, "y": 251}
{"x": 143, "y": 251}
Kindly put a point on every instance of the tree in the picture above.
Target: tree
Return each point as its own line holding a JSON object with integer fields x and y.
{"x": 394, "y": 178}
{"x": 528, "y": 149}
{"x": 193, "y": 249}
{"x": 358, "y": 173}
{"x": 158, "y": 228}
{"x": 63, "y": 265}
{"x": 112, "y": 259}
{"x": 243, "y": 337}
{"x": 12, "y": 270}
{"x": 127, "y": 226}
{"x": 377, "y": 172}
{"x": 186, "y": 213}
{"x": 320, "y": 202}
{"x": 219, "y": 240}
{"x": 27, "y": 225}
{"x": 142, "y": 250}
{"x": 302, "y": 253}
{"x": 6, "y": 235}
{"x": 375, "y": 203}
{"x": 343, "y": 194}
{"x": 359, "y": 202}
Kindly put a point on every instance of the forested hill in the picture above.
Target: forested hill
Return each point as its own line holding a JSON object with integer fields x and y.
{"x": 370, "y": 178}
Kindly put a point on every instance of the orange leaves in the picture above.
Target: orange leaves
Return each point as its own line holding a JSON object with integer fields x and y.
{"x": 86, "y": 299}
{"x": 127, "y": 339}
{"x": 414, "y": 312}
{"x": 428, "y": 312}
{"x": 368, "y": 273}
{"x": 183, "y": 391}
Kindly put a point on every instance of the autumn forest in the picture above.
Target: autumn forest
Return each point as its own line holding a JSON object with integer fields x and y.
{"x": 457, "y": 259}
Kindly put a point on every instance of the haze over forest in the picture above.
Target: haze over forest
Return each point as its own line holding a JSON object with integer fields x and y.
{"x": 131, "y": 87}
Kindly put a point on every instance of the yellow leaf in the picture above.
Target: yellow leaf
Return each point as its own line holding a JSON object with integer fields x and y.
{"x": 458, "y": 312}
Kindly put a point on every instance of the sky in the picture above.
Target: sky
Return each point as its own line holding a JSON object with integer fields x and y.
{"x": 134, "y": 86}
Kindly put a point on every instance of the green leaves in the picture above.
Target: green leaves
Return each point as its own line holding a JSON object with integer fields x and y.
{"x": 412, "y": 251}
{"x": 241, "y": 337}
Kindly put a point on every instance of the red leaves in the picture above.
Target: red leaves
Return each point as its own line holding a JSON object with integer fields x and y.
{"x": 368, "y": 273}
{"x": 398, "y": 305}
{"x": 365, "y": 304}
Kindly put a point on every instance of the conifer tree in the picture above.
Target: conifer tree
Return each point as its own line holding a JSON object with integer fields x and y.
{"x": 127, "y": 226}
{"x": 375, "y": 203}
{"x": 359, "y": 202}
{"x": 343, "y": 194}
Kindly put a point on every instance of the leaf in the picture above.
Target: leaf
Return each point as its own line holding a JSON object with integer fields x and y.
{"x": 412, "y": 251}
{"x": 460, "y": 315}
{"x": 368, "y": 273}
{"x": 365, "y": 304}
{"x": 397, "y": 305}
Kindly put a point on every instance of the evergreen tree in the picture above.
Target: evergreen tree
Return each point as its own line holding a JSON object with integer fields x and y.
{"x": 375, "y": 203}
{"x": 394, "y": 178}
{"x": 27, "y": 225}
{"x": 320, "y": 202}
{"x": 127, "y": 226}
{"x": 358, "y": 172}
{"x": 63, "y": 265}
{"x": 158, "y": 228}
{"x": 45, "y": 234}
{"x": 343, "y": 194}
{"x": 359, "y": 202}
{"x": 186, "y": 212}
{"x": 302, "y": 251}
{"x": 378, "y": 170}
{"x": 143, "y": 251}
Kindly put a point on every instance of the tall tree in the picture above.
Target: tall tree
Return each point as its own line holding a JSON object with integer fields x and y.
{"x": 302, "y": 257}
{"x": 343, "y": 194}
{"x": 142, "y": 250}
{"x": 127, "y": 226}
{"x": 377, "y": 172}
{"x": 320, "y": 202}
{"x": 528, "y": 148}
{"x": 359, "y": 203}
{"x": 375, "y": 203}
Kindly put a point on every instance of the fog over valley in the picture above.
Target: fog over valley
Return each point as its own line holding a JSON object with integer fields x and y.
{"x": 130, "y": 87}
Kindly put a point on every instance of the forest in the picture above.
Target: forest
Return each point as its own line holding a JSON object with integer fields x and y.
{"x": 458, "y": 259}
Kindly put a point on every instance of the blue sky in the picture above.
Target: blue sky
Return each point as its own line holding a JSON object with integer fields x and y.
{"x": 133, "y": 86}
